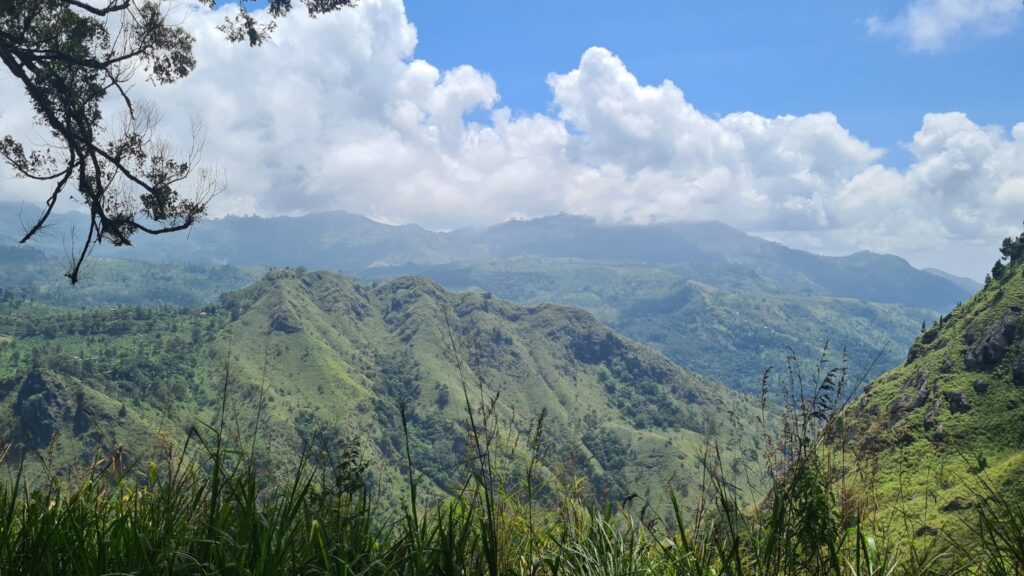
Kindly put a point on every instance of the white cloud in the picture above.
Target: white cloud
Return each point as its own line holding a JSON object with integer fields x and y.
{"x": 928, "y": 24}
{"x": 338, "y": 114}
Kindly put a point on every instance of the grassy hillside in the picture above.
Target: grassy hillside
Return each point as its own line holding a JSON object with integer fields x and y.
{"x": 223, "y": 507}
{"x": 719, "y": 320}
{"x": 318, "y": 356}
{"x": 933, "y": 432}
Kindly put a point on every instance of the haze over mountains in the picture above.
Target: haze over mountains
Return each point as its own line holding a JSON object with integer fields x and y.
{"x": 353, "y": 244}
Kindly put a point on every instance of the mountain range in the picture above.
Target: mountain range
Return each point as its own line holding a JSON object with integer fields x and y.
{"x": 304, "y": 357}
{"x": 352, "y": 244}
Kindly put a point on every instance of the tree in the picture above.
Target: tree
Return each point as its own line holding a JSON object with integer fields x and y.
{"x": 1012, "y": 248}
{"x": 69, "y": 55}
{"x": 998, "y": 269}
{"x": 1011, "y": 251}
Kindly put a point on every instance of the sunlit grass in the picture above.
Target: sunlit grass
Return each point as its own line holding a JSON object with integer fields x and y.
{"x": 209, "y": 507}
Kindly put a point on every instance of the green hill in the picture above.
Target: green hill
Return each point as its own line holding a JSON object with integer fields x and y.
{"x": 930, "y": 433}
{"x": 719, "y": 320}
{"x": 317, "y": 355}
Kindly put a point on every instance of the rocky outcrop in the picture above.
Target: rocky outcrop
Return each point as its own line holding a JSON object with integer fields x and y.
{"x": 916, "y": 392}
{"x": 957, "y": 504}
{"x": 958, "y": 402}
{"x": 920, "y": 346}
{"x": 931, "y": 417}
{"x": 988, "y": 347}
{"x": 283, "y": 321}
{"x": 44, "y": 401}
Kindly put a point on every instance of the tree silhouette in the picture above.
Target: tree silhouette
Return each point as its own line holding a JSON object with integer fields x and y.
{"x": 69, "y": 55}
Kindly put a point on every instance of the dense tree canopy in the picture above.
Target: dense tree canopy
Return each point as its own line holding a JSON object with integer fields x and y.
{"x": 70, "y": 56}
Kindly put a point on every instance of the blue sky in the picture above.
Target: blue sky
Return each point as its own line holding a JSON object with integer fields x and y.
{"x": 770, "y": 58}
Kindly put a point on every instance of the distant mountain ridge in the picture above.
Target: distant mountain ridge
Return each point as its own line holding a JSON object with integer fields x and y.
{"x": 965, "y": 283}
{"x": 354, "y": 244}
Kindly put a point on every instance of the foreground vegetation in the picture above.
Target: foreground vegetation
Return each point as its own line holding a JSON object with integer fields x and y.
{"x": 213, "y": 506}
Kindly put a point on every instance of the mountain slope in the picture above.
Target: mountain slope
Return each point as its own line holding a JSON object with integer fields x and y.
{"x": 354, "y": 244}
{"x": 864, "y": 275}
{"x": 953, "y": 413}
{"x": 109, "y": 282}
{"x": 965, "y": 283}
{"x": 333, "y": 357}
{"x": 730, "y": 335}
{"x": 711, "y": 319}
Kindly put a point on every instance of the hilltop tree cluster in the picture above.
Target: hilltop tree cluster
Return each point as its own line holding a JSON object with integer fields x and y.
{"x": 1012, "y": 251}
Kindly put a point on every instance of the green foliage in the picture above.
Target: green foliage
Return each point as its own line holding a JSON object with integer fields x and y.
{"x": 211, "y": 507}
{"x": 953, "y": 411}
{"x": 1012, "y": 248}
{"x": 1012, "y": 251}
{"x": 318, "y": 355}
{"x": 714, "y": 319}
{"x": 71, "y": 56}
{"x": 998, "y": 269}
{"x": 104, "y": 282}
{"x": 68, "y": 56}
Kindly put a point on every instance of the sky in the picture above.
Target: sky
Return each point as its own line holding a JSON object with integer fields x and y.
{"x": 830, "y": 126}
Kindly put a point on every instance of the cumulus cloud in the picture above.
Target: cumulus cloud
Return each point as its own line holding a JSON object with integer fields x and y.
{"x": 928, "y": 24}
{"x": 338, "y": 113}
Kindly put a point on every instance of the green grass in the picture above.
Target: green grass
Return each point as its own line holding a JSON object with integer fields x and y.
{"x": 929, "y": 429}
{"x": 208, "y": 506}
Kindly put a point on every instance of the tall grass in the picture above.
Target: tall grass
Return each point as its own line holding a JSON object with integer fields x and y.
{"x": 207, "y": 508}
